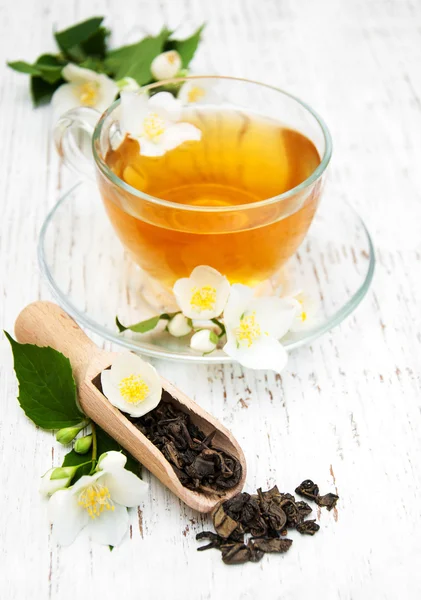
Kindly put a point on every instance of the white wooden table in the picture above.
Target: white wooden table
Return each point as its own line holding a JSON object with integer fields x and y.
{"x": 347, "y": 410}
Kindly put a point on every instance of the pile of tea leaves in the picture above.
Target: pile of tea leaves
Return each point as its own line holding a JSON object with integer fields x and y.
{"x": 264, "y": 518}
{"x": 198, "y": 463}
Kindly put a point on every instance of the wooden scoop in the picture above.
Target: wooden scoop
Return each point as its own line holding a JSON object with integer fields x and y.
{"x": 46, "y": 324}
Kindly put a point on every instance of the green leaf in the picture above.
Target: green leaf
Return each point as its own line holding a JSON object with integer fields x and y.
{"x": 72, "y": 459}
{"x": 141, "y": 327}
{"x": 105, "y": 443}
{"x": 186, "y": 48}
{"x": 47, "y": 390}
{"x": 77, "y": 34}
{"x": 49, "y": 71}
{"x": 96, "y": 45}
{"x": 135, "y": 60}
{"x": 23, "y": 67}
{"x": 42, "y": 91}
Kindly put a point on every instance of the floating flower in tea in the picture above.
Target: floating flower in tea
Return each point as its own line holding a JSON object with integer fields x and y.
{"x": 204, "y": 294}
{"x": 254, "y": 326}
{"x": 154, "y": 122}
{"x": 132, "y": 385}
{"x": 85, "y": 88}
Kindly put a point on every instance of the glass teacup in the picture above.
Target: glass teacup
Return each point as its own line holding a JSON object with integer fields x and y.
{"x": 239, "y": 195}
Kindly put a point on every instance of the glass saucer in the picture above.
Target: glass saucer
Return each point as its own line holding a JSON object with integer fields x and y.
{"x": 94, "y": 279}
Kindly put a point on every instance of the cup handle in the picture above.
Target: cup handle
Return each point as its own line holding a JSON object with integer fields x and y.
{"x": 72, "y": 132}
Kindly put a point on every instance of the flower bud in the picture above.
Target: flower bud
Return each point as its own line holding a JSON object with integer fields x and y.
{"x": 83, "y": 444}
{"x": 56, "y": 479}
{"x": 166, "y": 65}
{"x": 128, "y": 84}
{"x": 179, "y": 325}
{"x": 204, "y": 341}
{"x": 67, "y": 434}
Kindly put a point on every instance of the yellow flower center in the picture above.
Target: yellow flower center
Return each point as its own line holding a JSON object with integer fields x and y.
{"x": 133, "y": 389}
{"x": 303, "y": 316}
{"x": 248, "y": 330}
{"x": 95, "y": 499}
{"x": 88, "y": 93}
{"x": 153, "y": 125}
{"x": 195, "y": 93}
{"x": 203, "y": 298}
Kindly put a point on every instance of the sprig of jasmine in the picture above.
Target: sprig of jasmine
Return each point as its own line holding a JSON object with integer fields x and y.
{"x": 85, "y": 45}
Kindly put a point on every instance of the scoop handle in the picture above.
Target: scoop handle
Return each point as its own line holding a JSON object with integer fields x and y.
{"x": 46, "y": 324}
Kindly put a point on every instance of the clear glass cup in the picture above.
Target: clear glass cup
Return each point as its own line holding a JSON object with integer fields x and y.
{"x": 247, "y": 236}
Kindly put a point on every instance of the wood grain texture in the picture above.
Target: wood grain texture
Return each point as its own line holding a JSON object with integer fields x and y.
{"x": 346, "y": 412}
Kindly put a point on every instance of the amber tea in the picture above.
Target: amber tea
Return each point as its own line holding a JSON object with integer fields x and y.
{"x": 215, "y": 187}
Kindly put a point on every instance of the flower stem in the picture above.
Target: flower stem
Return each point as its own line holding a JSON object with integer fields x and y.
{"x": 220, "y": 325}
{"x": 94, "y": 447}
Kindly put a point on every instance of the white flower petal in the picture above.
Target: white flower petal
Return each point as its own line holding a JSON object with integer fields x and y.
{"x": 166, "y": 106}
{"x": 265, "y": 353}
{"x": 64, "y": 99}
{"x": 112, "y": 460}
{"x": 274, "y": 315}
{"x": 108, "y": 91}
{"x": 133, "y": 110}
{"x": 110, "y": 527}
{"x": 149, "y": 148}
{"x": 49, "y": 486}
{"x": 126, "y": 364}
{"x": 76, "y": 74}
{"x": 178, "y": 134}
{"x": 198, "y": 91}
{"x": 238, "y": 302}
{"x": 67, "y": 517}
{"x": 125, "y": 487}
{"x": 200, "y": 277}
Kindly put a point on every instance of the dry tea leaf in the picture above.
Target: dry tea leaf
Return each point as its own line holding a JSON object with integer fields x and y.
{"x": 309, "y": 527}
{"x": 328, "y": 500}
{"x": 273, "y": 545}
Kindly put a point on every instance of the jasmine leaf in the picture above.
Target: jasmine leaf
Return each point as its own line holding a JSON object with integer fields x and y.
{"x": 96, "y": 45}
{"x": 186, "y": 48}
{"x": 135, "y": 60}
{"x": 77, "y": 34}
{"x": 105, "y": 443}
{"x": 47, "y": 66}
{"x": 23, "y": 67}
{"x": 47, "y": 390}
{"x": 42, "y": 91}
{"x": 141, "y": 327}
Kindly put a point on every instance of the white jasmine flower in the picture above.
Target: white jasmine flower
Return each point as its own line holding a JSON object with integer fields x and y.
{"x": 204, "y": 341}
{"x": 56, "y": 479}
{"x": 308, "y": 308}
{"x": 97, "y": 503}
{"x": 166, "y": 65}
{"x": 85, "y": 88}
{"x": 254, "y": 327}
{"x": 153, "y": 122}
{"x": 198, "y": 91}
{"x": 179, "y": 325}
{"x": 132, "y": 385}
{"x": 203, "y": 295}
{"x": 128, "y": 84}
